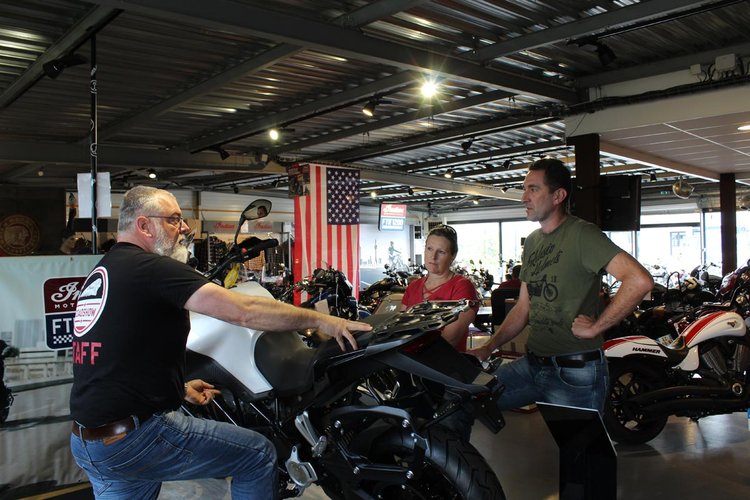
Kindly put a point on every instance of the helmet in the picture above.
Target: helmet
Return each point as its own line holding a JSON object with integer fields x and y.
{"x": 691, "y": 283}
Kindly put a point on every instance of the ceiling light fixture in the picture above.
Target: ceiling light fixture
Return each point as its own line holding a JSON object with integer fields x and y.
{"x": 429, "y": 88}
{"x": 373, "y": 194}
{"x": 652, "y": 177}
{"x": 40, "y": 172}
{"x": 506, "y": 164}
{"x": 410, "y": 191}
{"x": 606, "y": 55}
{"x": 54, "y": 67}
{"x": 274, "y": 134}
{"x": 744, "y": 128}
{"x": 223, "y": 154}
{"x": 369, "y": 108}
{"x": 682, "y": 189}
{"x": 467, "y": 144}
{"x": 276, "y": 183}
{"x": 151, "y": 173}
{"x": 475, "y": 201}
{"x": 504, "y": 189}
{"x": 235, "y": 189}
{"x": 448, "y": 174}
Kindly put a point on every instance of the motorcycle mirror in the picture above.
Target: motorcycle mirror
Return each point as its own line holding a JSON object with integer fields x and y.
{"x": 255, "y": 210}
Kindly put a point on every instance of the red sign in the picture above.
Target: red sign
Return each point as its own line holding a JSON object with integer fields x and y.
{"x": 392, "y": 210}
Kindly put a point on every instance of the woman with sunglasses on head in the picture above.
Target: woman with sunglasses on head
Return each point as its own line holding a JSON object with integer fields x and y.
{"x": 440, "y": 250}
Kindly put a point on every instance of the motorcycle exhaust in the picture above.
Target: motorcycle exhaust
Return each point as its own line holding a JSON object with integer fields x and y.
{"x": 653, "y": 397}
{"x": 703, "y": 405}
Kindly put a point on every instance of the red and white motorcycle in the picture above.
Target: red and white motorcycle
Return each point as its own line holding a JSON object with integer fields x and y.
{"x": 702, "y": 371}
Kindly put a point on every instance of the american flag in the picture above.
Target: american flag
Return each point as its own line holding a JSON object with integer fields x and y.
{"x": 326, "y": 224}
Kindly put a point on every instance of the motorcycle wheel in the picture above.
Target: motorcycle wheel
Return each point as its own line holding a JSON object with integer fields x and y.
{"x": 627, "y": 380}
{"x": 452, "y": 469}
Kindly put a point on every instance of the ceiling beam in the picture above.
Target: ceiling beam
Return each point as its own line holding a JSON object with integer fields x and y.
{"x": 78, "y": 154}
{"x": 434, "y": 182}
{"x": 254, "y": 65}
{"x": 256, "y": 21}
{"x": 589, "y": 25}
{"x": 652, "y": 160}
{"x": 93, "y": 21}
{"x": 439, "y": 137}
{"x": 655, "y": 68}
{"x": 433, "y": 110}
{"x": 304, "y": 110}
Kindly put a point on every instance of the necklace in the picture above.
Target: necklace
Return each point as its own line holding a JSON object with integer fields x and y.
{"x": 428, "y": 292}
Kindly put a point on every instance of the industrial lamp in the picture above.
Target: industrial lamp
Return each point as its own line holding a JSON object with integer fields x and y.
{"x": 54, "y": 67}
{"x": 682, "y": 189}
{"x": 369, "y": 108}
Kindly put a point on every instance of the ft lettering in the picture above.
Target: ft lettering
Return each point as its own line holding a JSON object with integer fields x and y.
{"x": 85, "y": 352}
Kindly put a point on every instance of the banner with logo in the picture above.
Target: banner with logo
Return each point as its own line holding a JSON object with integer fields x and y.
{"x": 36, "y": 316}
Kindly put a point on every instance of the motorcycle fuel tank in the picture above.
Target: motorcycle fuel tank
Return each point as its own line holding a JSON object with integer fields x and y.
{"x": 231, "y": 346}
{"x": 715, "y": 324}
{"x": 634, "y": 344}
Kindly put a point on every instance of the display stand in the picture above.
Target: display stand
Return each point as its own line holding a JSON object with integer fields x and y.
{"x": 588, "y": 461}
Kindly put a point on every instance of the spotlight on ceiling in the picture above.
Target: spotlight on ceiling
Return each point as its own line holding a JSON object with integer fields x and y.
{"x": 506, "y": 164}
{"x": 606, "y": 55}
{"x": 235, "y": 189}
{"x": 504, "y": 189}
{"x": 682, "y": 189}
{"x": 467, "y": 144}
{"x": 652, "y": 177}
{"x": 54, "y": 67}
{"x": 448, "y": 174}
{"x": 40, "y": 172}
{"x": 373, "y": 194}
{"x": 223, "y": 154}
{"x": 410, "y": 191}
{"x": 475, "y": 201}
{"x": 274, "y": 134}
{"x": 429, "y": 88}
{"x": 151, "y": 173}
{"x": 369, "y": 108}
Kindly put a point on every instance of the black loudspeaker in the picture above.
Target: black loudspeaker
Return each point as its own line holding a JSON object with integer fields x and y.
{"x": 620, "y": 202}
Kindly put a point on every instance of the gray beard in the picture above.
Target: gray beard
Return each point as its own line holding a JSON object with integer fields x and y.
{"x": 171, "y": 249}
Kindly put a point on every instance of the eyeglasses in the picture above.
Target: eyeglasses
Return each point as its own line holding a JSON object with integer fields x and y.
{"x": 175, "y": 220}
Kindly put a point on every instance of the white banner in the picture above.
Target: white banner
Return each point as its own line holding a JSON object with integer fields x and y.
{"x": 36, "y": 310}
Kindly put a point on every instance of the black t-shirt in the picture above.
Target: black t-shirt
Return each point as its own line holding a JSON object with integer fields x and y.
{"x": 130, "y": 333}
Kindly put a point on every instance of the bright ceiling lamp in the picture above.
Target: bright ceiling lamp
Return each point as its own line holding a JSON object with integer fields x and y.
{"x": 744, "y": 128}
{"x": 429, "y": 88}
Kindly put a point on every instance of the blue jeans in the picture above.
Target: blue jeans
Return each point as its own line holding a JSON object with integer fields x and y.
{"x": 173, "y": 447}
{"x": 526, "y": 383}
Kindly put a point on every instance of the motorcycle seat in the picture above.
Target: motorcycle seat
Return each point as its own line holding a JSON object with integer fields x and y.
{"x": 676, "y": 351}
{"x": 288, "y": 364}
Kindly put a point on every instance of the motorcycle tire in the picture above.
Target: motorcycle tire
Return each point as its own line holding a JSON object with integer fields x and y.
{"x": 452, "y": 469}
{"x": 626, "y": 380}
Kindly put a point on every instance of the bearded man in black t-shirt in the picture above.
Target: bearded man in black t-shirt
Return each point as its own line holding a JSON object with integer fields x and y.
{"x": 131, "y": 328}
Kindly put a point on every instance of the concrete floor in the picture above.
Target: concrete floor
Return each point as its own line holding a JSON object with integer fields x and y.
{"x": 687, "y": 461}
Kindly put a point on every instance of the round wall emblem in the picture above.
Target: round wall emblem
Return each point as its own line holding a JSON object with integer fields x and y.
{"x": 19, "y": 235}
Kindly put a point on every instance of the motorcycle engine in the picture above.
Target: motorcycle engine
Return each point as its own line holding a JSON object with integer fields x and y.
{"x": 741, "y": 358}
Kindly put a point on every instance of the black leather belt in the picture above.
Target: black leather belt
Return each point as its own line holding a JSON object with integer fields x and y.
{"x": 573, "y": 360}
{"x": 121, "y": 427}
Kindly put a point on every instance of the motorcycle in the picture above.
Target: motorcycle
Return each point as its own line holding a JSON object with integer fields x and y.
{"x": 6, "y": 395}
{"x": 342, "y": 420}
{"x": 704, "y": 371}
{"x": 395, "y": 281}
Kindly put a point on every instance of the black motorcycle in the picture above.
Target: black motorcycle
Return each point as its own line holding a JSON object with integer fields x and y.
{"x": 360, "y": 424}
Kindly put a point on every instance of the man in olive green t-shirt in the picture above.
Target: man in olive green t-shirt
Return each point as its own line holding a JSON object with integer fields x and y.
{"x": 563, "y": 263}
